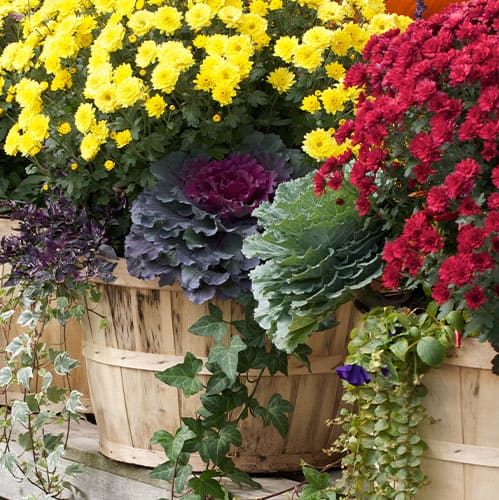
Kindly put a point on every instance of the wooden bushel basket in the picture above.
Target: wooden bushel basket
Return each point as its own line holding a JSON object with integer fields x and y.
{"x": 462, "y": 461}
{"x": 56, "y": 336}
{"x": 147, "y": 331}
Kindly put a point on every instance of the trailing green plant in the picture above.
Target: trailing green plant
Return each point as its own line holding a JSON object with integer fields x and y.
{"x": 388, "y": 354}
{"x": 236, "y": 364}
{"x": 315, "y": 252}
{"x": 51, "y": 253}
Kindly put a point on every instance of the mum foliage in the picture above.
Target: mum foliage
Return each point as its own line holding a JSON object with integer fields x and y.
{"x": 98, "y": 90}
{"x": 426, "y": 164}
{"x": 314, "y": 254}
{"x": 190, "y": 226}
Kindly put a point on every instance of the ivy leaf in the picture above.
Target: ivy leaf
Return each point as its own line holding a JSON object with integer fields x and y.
{"x": 173, "y": 444}
{"x": 431, "y": 351}
{"x": 56, "y": 394}
{"x": 240, "y": 477}
{"x": 25, "y": 440}
{"x": 164, "y": 471}
{"x": 275, "y": 414}
{"x": 74, "y": 404}
{"x": 64, "y": 363}
{"x": 227, "y": 357}
{"x": 210, "y": 326}
{"x": 217, "y": 383}
{"x": 219, "y": 444}
{"x": 52, "y": 441}
{"x": 5, "y": 375}
{"x": 24, "y": 375}
{"x": 20, "y": 411}
{"x": 8, "y": 460}
{"x": 184, "y": 375}
{"x": 206, "y": 485}
{"x": 318, "y": 480}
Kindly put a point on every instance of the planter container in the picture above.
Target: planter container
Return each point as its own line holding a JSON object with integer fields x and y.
{"x": 147, "y": 331}
{"x": 58, "y": 337}
{"x": 462, "y": 461}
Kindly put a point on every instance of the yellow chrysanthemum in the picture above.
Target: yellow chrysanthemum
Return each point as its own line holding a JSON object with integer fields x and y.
{"x": 239, "y": 45}
{"x": 330, "y": 12}
{"x": 11, "y": 145}
{"x": 105, "y": 98}
{"x": 39, "y": 127}
{"x": 340, "y": 42}
{"x": 129, "y": 91}
{"x": 307, "y": 57}
{"x": 252, "y": 25}
{"x": 319, "y": 144}
{"x": 310, "y": 103}
{"x": 62, "y": 80}
{"x": 285, "y": 47}
{"x": 175, "y": 55}
{"x": 16, "y": 56}
{"x": 318, "y": 37}
{"x": 333, "y": 100}
{"x": 73, "y": 166}
{"x": 109, "y": 165}
{"x": 89, "y": 147}
{"x": 122, "y": 138}
{"x": 28, "y": 94}
{"x": 111, "y": 37}
{"x": 216, "y": 45}
{"x": 198, "y": 16}
{"x": 357, "y": 35}
{"x": 281, "y": 79}
{"x": 100, "y": 130}
{"x": 164, "y": 78}
{"x": 168, "y": 20}
{"x": 155, "y": 106}
{"x": 85, "y": 117}
{"x": 122, "y": 72}
{"x": 64, "y": 128}
{"x": 223, "y": 93}
{"x": 335, "y": 70}
{"x": 230, "y": 16}
{"x": 141, "y": 22}
{"x": 259, "y": 7}
{"x": 146, "y": 53}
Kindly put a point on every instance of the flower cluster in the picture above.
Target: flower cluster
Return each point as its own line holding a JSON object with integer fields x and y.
{"x": 424, "y": 156}
{"x": 189, "y": 228}
{"x": 100, "y": 90}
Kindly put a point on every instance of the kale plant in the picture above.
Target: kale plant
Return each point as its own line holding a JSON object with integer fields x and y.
{"x": 190, "y": 227}
{"x": 316, "y": 252}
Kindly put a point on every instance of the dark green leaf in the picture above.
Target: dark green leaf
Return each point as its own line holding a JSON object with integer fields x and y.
{"x": 56, "y": 394}
{"x": 219, "y": 444}
{"x": 318, "y": 480}
{"x": 275, "y": 414}
{"x": 206, "y": 485}
{"x": 400, "y": 348}
{"x": 164, "y": 471}
{"x": 184, "y": 375}
{"x": 209, "y": 326}
{"x": 227, "y": 357}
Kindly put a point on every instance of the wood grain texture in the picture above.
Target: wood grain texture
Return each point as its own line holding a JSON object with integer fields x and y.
{"x": 146, "y": 330}
{"x": 462, "y": 461}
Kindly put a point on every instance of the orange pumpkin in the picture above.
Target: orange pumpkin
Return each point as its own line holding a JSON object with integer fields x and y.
{"x": 407, "y": 7}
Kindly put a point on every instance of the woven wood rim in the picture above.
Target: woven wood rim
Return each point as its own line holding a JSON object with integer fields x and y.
{"x": 462, "y": 453}
{"x": 158, "y": 362}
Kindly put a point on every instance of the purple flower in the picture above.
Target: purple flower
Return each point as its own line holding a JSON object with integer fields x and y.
{"x": 353, "y": 374}
{"x": 231, "y": 188}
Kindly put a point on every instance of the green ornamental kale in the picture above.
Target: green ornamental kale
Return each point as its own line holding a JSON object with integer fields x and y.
{"x": 315, "y": 251}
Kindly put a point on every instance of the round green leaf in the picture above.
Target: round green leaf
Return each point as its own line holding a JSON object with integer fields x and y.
{"x": 431, "y": 351}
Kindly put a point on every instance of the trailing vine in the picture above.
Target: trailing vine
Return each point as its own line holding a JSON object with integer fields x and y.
{"x": 384, "y": 395}
{"x": 228, "y": 397}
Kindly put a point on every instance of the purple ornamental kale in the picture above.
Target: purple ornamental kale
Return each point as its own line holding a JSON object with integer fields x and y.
{"x": 353, "y": 374}
{"x": 232, "y": 187}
